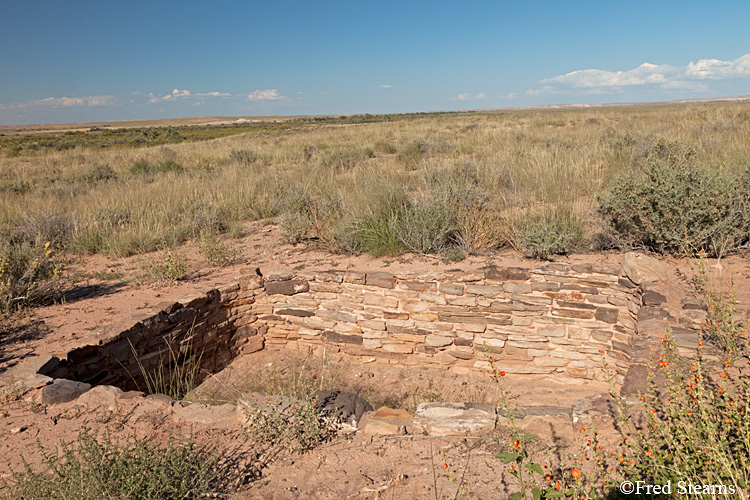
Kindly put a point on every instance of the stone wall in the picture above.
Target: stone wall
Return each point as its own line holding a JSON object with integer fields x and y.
{"x": 555, "y": 319}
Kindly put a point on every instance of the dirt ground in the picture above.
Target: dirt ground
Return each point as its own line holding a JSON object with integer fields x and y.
{"x": 351, "y": 466}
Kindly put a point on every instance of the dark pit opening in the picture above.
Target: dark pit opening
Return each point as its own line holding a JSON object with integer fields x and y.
{"x": 169, "y": 352}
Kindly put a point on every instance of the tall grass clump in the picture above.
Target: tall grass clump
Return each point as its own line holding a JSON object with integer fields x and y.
{"x": 675, "y": 197}
{"x": 30, "y": 274}
{"x": 97, "y": 467}
{"x": 174, "y": 372}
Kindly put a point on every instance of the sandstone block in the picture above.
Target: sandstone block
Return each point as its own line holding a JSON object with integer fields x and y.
{"x": 289, "y": 287}
{"x": 424, "y": 316}
{"x": 438, "y": 341}
{"x": 372, "y": 324}
{"x": 382, "y": 280}
{"x": 455, "y": 419}
{"x": 342, "y": 338}
{"x": 517, "y": 287}
{"x": 451, "y": 288}
{"x": 279, "y": 275}
{"x": 507, "y": 274}
{"x": 63, "y": 390}
{"x": 639, "y": 268}
{"x": 374, "y": 299}
{"x": 486, "y": 290}
{"x": 387, "y": 422}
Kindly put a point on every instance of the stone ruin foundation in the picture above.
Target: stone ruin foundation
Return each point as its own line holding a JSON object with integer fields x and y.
{"x": 558, "y": 320}
{"x": 554, "y": 319}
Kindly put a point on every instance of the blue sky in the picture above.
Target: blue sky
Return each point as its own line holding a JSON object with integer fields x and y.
{"x": 104, "y": 60}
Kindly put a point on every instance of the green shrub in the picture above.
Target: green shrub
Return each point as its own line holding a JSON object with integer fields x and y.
{"x": 140, "y": 167}
{"x": 545, "y": 236}
{"x": 98, "y": 173}
{"x": 385, "y": 148}
{"x": 412, "y": 153}
{"x": 310, "y": 216}
{"x": 169, "y": 268}
{"x": 674, "y": 200}
{"x": 98, "y": 467}
{"x": 30, "y": 274}
{"x": 218, "y": 252}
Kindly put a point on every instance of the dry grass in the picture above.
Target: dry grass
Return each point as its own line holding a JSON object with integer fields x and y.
{"x": 327, "y": 180}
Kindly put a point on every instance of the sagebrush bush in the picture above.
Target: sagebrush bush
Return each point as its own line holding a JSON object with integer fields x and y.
{"x": 548, "y": 235}
{"x": 245, "y": 156}
{"x": 97, "y": 173}
{"x": 676, "y": 199}
{"x": 99, "y": 467}
{"x": 144, "y": 167}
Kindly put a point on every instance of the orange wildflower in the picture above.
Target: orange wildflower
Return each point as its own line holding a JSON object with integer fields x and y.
{"x": 575, "y": 473}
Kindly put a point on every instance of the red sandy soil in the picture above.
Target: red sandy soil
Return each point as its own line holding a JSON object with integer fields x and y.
{"x": 356, "y": 467}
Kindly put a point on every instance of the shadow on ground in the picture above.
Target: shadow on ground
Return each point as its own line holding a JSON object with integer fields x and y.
{"x": 78, "y": 293}
{"x": 18, "y": 331}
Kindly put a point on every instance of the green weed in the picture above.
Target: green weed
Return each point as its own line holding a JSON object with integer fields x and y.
{"x": 97, "y": 467}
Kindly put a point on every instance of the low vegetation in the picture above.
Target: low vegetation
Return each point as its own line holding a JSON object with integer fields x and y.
{"x": 97, "y": 467}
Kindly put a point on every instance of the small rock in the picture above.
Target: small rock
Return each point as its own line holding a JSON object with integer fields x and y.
{"x": 346, "y": 406}
{"x": 32, "y": 366}
{"x": 640, "y": 268}
{"x": 100, "y": 396}
{"x": 279, "y": 275}
{"x": 386, "y": 421}
{"x": 63, "y": 390}
{"x": 131, "y": 395}
{"x": 592, "y": 409}
{"x": 653, "y": 298}
{"x": 17, "y": 430}
{"x": 160, "y": 398}
{"x": 455, "y": 419}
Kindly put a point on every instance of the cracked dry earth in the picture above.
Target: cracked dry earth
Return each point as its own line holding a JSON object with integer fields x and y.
{"x": 356, "y": 466}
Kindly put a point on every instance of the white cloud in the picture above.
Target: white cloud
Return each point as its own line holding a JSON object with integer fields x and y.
{"x": 664, "y": 76}
{"x": 184, "y": 94}
{"x": 595, "y": 78}
{"x": 716, "y": 69}
{"x": 386, "y": 86}
{"x": 65, "y": 102}
{"x": 265, "y": 95}
{"x": 470, "y": 97}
